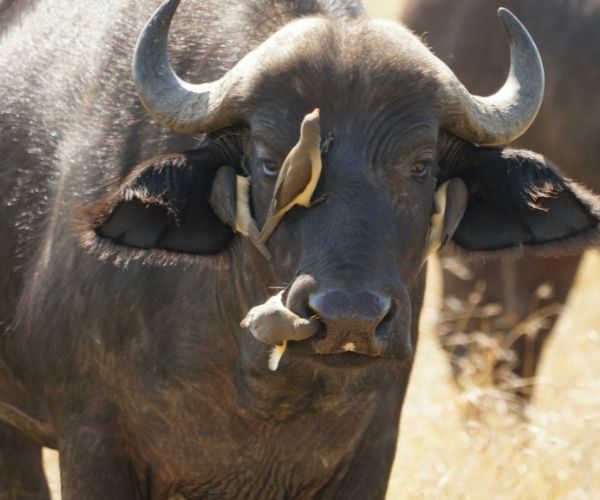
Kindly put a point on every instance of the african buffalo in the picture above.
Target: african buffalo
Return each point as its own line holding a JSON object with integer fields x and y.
{"x": 566, "y": 130}
{"x": 131, "y": 249}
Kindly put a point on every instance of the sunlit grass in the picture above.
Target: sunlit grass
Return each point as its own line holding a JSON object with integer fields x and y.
{"x": 473, "y": 445}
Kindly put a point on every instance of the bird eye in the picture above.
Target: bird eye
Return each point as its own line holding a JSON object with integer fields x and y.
{"x": 420, "y": 169}
{"x": 269, "y": 167}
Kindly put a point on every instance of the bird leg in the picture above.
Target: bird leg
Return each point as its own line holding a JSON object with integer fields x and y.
{"x": 326, "y": 144}
{"x": 318, "y": 200}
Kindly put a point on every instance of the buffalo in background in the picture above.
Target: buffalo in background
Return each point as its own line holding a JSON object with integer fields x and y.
{"x": 129, "y": 261}
{"x": 465, "y": 35}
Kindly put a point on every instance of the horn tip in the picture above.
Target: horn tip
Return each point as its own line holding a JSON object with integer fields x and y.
{"x": 506, "y": 15}
{"x": 509, "y": 20}
{"x": 173, "y": 4}
{"x": 165, "y": 12}
{"x": 513, "y": 26}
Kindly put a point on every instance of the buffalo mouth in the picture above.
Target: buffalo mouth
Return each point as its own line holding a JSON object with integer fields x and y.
{"x": 316, "y": 352}
{"x": 337, "y": 328}
{"x": 305, "y": 351}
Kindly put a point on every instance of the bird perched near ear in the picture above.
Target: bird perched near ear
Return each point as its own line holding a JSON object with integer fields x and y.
{"x": 229, "y": 198}
{"x": 451, "y": 200}
{"x": 299, "y": 175}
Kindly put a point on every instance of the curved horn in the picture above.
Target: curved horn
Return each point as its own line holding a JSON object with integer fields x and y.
{"x": 189, "y": 108}
{"x": 504, "y": 116}
{"x": 180, "y": 106}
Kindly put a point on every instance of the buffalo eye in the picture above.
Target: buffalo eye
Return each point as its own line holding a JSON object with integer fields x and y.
{"x": 269, "y": 168}
{"x": 420, "y": 169}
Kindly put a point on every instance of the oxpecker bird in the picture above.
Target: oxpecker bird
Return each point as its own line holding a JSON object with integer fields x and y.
{"x": 274, "y": 324}
{"x": 451, "y": 199}
{"x": 230, "y": 199}
{"x": 299, "y": 175}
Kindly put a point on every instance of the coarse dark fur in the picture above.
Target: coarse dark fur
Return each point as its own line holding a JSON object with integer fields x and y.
{"x": 121, "y": 343}
{"x": 566, "y": 131}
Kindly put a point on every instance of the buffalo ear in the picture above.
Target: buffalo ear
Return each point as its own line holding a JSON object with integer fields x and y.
{"x": 519, "y": 201}
{"x": 164, "y": 205}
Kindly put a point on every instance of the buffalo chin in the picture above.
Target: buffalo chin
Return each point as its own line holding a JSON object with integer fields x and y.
{"x": 307, "y": 351}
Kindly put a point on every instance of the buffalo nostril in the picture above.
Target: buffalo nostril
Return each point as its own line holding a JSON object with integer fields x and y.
{"x": 357, "y": 321}
{"x": 358, "y": 312}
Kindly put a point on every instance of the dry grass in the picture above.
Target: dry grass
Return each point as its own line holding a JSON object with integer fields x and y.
{"x": 472, "y": 445}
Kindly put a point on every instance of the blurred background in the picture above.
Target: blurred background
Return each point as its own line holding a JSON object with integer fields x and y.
{"x": 391, "y": 9}
{"x": 467, "y": 431}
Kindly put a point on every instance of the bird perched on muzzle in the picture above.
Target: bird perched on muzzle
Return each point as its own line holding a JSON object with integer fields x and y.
{"x": 274, "y": 324}
{"x": 299, "y": 175}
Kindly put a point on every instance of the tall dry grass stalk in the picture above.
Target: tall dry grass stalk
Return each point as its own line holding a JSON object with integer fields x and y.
{"x": 473, "y": 445}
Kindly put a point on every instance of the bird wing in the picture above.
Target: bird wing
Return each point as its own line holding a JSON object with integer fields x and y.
{"x": 296, "y": 174}
{"x": 295, "y": 181}
{"x": 285, "y": 167}
{"x": 292, "y": 181}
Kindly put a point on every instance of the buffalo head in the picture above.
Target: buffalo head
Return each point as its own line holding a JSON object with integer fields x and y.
{"x": 406, "y": 164}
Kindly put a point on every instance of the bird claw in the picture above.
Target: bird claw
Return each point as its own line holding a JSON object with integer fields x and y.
{"x": 326, "y": 144}
{"x": 318, "y": 200}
